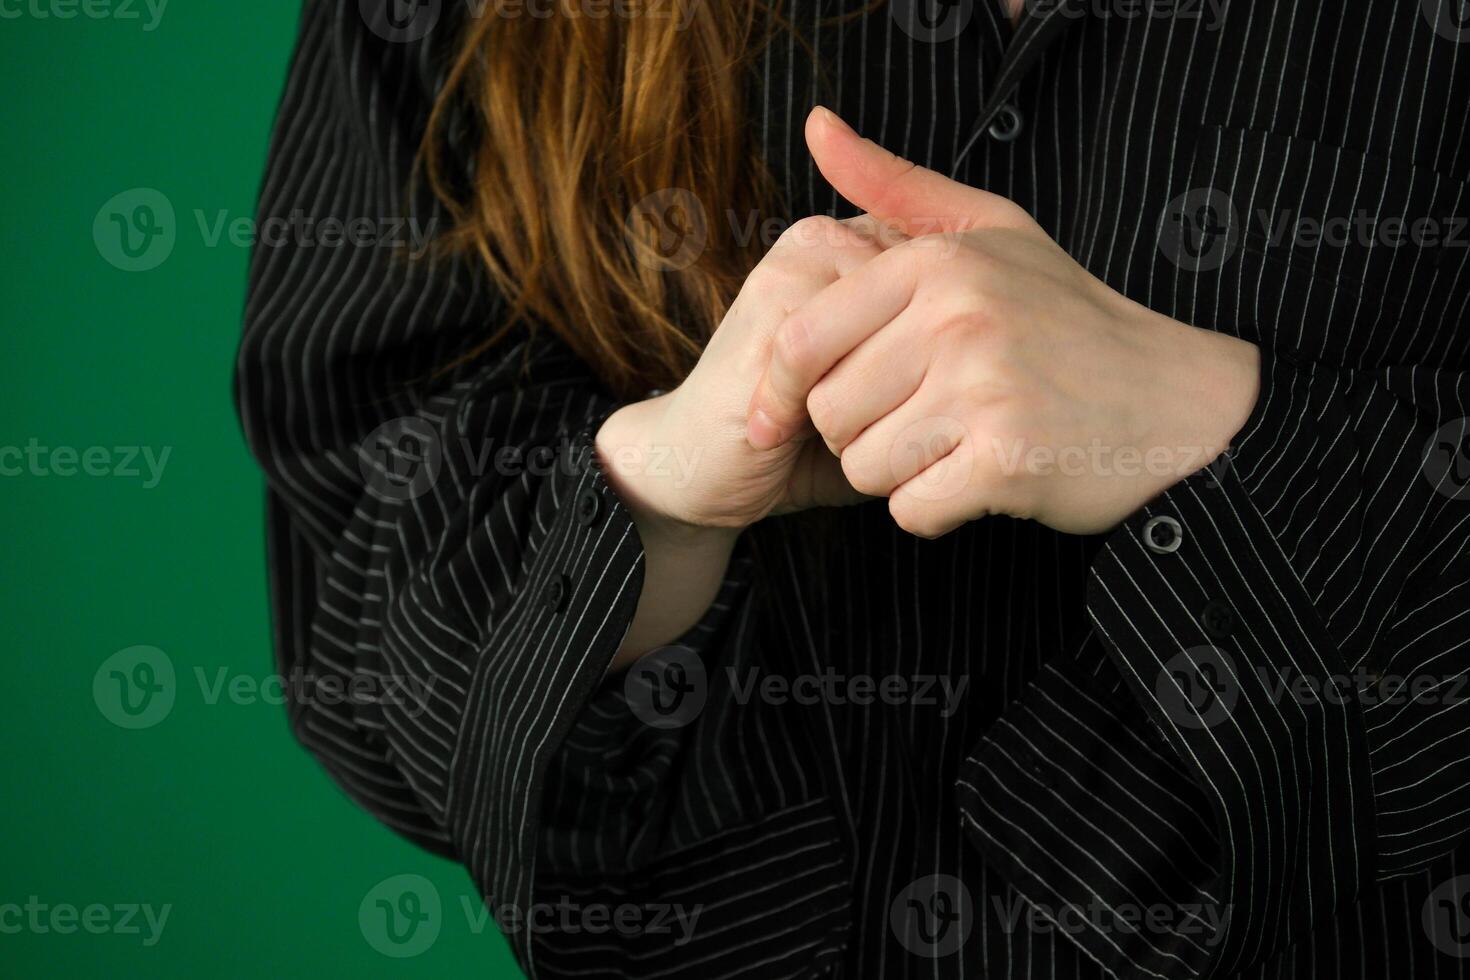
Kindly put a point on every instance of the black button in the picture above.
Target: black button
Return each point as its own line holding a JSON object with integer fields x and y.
{"x": 555, "y": 594}
{"x": 1163, "y": 534}
{"x": 1007, "y": 124}
{"x": 1217, "y": 618}
{"x": 589, "y": 507}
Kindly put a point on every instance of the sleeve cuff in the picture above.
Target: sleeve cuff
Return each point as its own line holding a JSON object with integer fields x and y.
{"x": 539, "y": 666}
{"x": 1294, "y": 451}
{"x": 1221, "y": 644}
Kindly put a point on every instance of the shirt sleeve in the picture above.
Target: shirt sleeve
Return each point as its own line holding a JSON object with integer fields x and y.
{"x": 450, "y": 571}
{"x": 1289, "y": 630}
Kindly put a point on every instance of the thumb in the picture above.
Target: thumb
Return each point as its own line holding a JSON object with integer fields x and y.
{"x": 916, "y": 200}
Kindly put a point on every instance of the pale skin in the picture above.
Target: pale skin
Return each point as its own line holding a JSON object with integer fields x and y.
{"x": 936, "y": 352}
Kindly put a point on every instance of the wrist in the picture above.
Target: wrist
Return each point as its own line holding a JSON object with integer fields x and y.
{"x": 1229, "y": 373}
{"x": 1208, "y": 383}
{"x": 628, "y": 451}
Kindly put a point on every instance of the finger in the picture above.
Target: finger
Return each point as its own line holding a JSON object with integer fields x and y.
{"x": 809, "y": 256}
{"x": 964, "y": 485}
{"x": 817, "y": 480}
{"x": 832, "y": 248}
{"x": 818, "y": 334}
{"x": 902, "y": 445}
{"x": 928, "y": 518}
{"x": 916, "y": 200}
{"x": 870, "y": 382}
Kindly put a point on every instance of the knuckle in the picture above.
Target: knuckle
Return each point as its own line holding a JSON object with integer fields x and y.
{"x": 946, "y": 246}
{"x": 865, "y": 230}
{"x": 821, "y": 407}
{"x": 1010, "y": 214}
{"x": 772, "y": 275}
{"x": 793, "y": 342}
{"x": 814, "y": 229}
{"x": 758, "y": 282}
{"x": 995, "y": 331}
{"x": 863, "y": 476}
{"x": 917, "y": 517}
{"x": 911, "y": 254}
{"x": 966, "y": 321}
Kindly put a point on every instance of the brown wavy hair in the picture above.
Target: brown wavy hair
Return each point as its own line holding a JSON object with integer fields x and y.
{"x": 581, "y": 118}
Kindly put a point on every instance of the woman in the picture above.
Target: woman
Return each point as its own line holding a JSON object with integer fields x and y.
{"x": 742, "y": 593}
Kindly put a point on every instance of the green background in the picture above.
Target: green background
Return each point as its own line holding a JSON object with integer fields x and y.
{"x": 213, "y": 811}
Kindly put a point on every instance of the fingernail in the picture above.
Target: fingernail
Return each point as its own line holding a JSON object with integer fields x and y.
{"x": 833, "y": 119}
{"x": 761, "y": 432}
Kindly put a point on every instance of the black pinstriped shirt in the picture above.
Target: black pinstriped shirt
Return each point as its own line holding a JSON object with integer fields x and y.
{"x": 1227, "y": 739}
